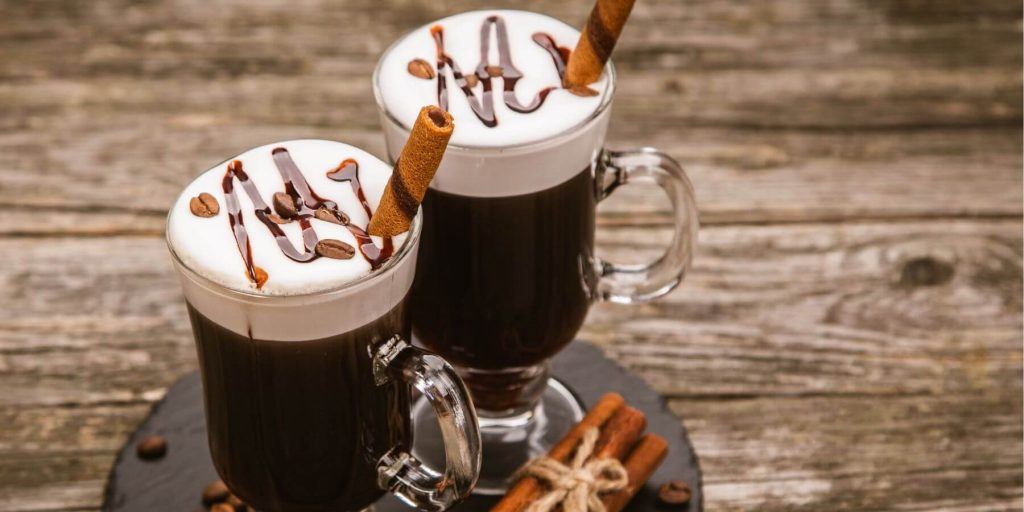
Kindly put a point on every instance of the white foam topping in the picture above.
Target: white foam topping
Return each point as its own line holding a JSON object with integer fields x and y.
{"x": 207, "y": 245}
{"x": 403, "y": 94}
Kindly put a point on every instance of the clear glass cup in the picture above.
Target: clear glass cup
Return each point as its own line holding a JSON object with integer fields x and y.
{"x": 507, "y": 271}
{"x": 307, "y": 397}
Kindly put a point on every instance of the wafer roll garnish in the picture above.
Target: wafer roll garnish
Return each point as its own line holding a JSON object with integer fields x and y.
{"x": 597, "y": 40}
{"x": 412, "y": 174}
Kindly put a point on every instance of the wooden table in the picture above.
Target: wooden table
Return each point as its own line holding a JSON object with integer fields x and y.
{"x": 850, "y": 336}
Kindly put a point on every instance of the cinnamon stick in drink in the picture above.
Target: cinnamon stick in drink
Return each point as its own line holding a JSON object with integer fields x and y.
{"x": 528, "y": 489}
{"x": 412, "y": 174}
{"x": 597, "y": 40}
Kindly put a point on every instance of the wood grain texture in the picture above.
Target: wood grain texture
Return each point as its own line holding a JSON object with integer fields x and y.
{"x": 782, "y": 110}
{"x": 780, "y": 330}
{"x": 850, "y": 336}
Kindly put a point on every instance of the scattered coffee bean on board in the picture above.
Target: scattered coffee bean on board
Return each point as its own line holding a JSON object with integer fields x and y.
{"x": 216, "y": 492}
{"x": 151, "y": 448}
{"x": 676, "y": 492}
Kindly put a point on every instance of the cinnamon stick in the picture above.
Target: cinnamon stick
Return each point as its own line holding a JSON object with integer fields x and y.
{"x": 412, "y": 174}
{"x": 640, "y": 464}
{"x": 528, "y": 489}
{"x": 620, "y": 434}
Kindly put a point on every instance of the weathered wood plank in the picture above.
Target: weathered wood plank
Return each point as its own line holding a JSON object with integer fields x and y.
{"x": 761, "y": 176}
{"x": 879, "y": 308}
{"x": 782, "y": 110}
{"x": 904, "y": 308}
{"x": 944, "y": 452}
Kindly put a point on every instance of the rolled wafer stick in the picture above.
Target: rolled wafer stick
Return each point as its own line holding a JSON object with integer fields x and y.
{"x": 412, "y": 174}
{"x": 640, "y": 464}
{"x": 528, "y": 489}
{"x": 597, "y": 40}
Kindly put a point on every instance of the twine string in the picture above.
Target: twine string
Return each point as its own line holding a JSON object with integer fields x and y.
{"x": 578, "y": 486}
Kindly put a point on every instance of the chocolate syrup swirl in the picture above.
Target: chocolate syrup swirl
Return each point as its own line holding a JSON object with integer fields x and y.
{"x": 307, "y": 202}
{"x": 483, "y": 107}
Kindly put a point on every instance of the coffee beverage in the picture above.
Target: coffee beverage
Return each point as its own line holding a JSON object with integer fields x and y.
{"x": 300, "y": 320}
{"x": 280, "y": 418}
{"x": 507, "y": 251}
{"x": 507, "y": 269}
{"x": 505, "y": 282}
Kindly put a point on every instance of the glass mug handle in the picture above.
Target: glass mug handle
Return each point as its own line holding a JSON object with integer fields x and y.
{"x": 401, "y": 473}
{"x": 628, "y": 284}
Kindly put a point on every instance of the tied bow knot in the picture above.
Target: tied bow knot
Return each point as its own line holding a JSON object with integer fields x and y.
{"x": 577, "y": 487}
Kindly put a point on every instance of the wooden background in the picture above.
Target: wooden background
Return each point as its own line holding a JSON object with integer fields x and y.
{"x": 850, "y": 336}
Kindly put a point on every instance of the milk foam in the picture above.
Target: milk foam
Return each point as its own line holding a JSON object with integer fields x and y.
{"x": 207, "y": 246}
{"x": 403, "y": 94}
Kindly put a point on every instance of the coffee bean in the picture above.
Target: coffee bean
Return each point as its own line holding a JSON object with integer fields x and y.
{"x": 151, "y": 448}
{"x": 216, "y": 492}
{"x": 471, "y": 81}
{"x": 420, "y": 68}
{"x": 331, "y": 216}
{"x": 276, "y": 219}
{"x": 676, "y": 492}
{"x": 222, "y": 507}
{"x": 204, "y": 205}
{"x": 284, "y": 205}
{"x": 336, "y": 249}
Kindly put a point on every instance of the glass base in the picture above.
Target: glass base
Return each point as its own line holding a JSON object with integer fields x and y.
{"x": 508, "y": 442}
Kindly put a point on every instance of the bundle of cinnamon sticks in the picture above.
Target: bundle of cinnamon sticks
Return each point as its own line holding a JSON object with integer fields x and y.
{"x": 621, "y": 437}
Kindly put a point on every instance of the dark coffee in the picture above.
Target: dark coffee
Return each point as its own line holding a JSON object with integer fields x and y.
{"x": 504, "y": 282}
{"x": 300, "y": 425}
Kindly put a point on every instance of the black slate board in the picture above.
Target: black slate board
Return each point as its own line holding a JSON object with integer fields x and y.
{"x": 175, "y": 482}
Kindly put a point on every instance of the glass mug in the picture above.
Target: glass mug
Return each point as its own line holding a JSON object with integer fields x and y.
{"x": 320, "y": 420}
{"x": 507, "y": 270}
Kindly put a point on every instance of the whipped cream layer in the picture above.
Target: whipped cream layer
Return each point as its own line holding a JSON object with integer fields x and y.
{"x": 208, "y": 245}
{"x": 402, "y": 94}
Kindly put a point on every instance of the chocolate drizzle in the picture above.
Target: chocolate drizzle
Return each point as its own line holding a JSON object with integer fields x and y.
{"x": 307, "y": 202}
{"x": 483, "y": 107}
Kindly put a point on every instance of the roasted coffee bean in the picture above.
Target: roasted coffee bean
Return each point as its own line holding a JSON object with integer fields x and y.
{"x": 284, "y": 205}
{"x": 204, "y": 205}
{"x": 494, "y": 70}
{"x": 676, "y": 492}
{"x": 222, "y": 507}
{"x": 326, "y": 215}
{"x": 421, "y": 69}
{"x": 151, "y": 448}
{"x": 471, "y": 80}
{"x": 336, "y": 249}
{"x": 276, "y": 219}
{"x": 216, "y": 492}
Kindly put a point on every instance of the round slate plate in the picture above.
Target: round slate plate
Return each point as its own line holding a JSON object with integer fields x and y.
{"x": 175, "y": 482}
